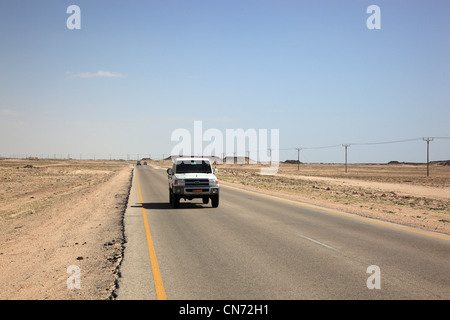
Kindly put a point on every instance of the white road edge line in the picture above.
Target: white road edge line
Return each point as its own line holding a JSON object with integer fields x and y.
{"x": 315, "y": 241}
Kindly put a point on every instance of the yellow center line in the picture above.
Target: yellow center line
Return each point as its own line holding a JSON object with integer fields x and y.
{"x": 160, "y": 292}
{"x": 335, "y": 212}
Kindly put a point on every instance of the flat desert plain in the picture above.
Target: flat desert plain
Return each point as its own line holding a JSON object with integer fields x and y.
{"x": 58, "y": 220}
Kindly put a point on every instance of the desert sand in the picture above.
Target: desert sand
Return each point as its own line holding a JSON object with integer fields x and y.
{"x": 57, "y": 215}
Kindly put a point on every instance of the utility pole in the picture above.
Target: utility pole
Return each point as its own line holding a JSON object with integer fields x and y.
{"x": 346, "y": 146}
{"x": 428, "y": 154}
{"x": 298, "y": 158}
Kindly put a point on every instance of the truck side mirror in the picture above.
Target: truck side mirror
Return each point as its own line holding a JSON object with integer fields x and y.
{"x": 216, "y": 170}
{"x": 169, "y": 171}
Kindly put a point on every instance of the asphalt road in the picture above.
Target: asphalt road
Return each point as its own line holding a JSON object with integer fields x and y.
{"x": 261, "y": 247}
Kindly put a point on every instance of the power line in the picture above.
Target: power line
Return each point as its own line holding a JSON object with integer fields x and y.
{"x": 298, "y": 148}
{"x": 387, "y": 142}
{"x": 367, "y": 143}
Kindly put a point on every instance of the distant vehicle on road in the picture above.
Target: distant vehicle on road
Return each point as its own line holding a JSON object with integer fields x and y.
{"x": 191, "y": 178}
{"x": 138, "y": 163}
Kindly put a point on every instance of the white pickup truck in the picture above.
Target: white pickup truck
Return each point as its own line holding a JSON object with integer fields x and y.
{"x": 191, "y": 178}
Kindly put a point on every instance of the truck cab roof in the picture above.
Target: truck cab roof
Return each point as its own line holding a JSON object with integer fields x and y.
{"x": 178, "y": 160}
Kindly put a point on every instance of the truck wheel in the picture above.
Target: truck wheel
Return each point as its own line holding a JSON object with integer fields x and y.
{"x": 175, "y": 201}
{"x": 215, "y": 201}
{"x": 205, "y": 200}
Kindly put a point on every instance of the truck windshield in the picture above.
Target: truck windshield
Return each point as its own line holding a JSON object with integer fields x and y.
{"x": 193, "y": 167}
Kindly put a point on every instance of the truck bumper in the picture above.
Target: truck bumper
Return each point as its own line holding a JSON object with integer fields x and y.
{"x": 196, "y": 192}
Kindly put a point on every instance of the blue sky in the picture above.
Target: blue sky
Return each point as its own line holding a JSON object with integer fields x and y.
{"x": 138, "y": 70}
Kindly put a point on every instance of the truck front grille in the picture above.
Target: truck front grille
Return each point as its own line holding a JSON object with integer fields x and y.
{"x": 196, "y": 182}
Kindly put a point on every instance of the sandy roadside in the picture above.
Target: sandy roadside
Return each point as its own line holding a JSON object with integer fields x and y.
{"x": 401, "y": 189}
{"x": 81, "y": 232}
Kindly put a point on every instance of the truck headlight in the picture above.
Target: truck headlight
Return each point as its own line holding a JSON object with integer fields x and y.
{"x": 213, "y": 182}
{"x": 179, "y": 182}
